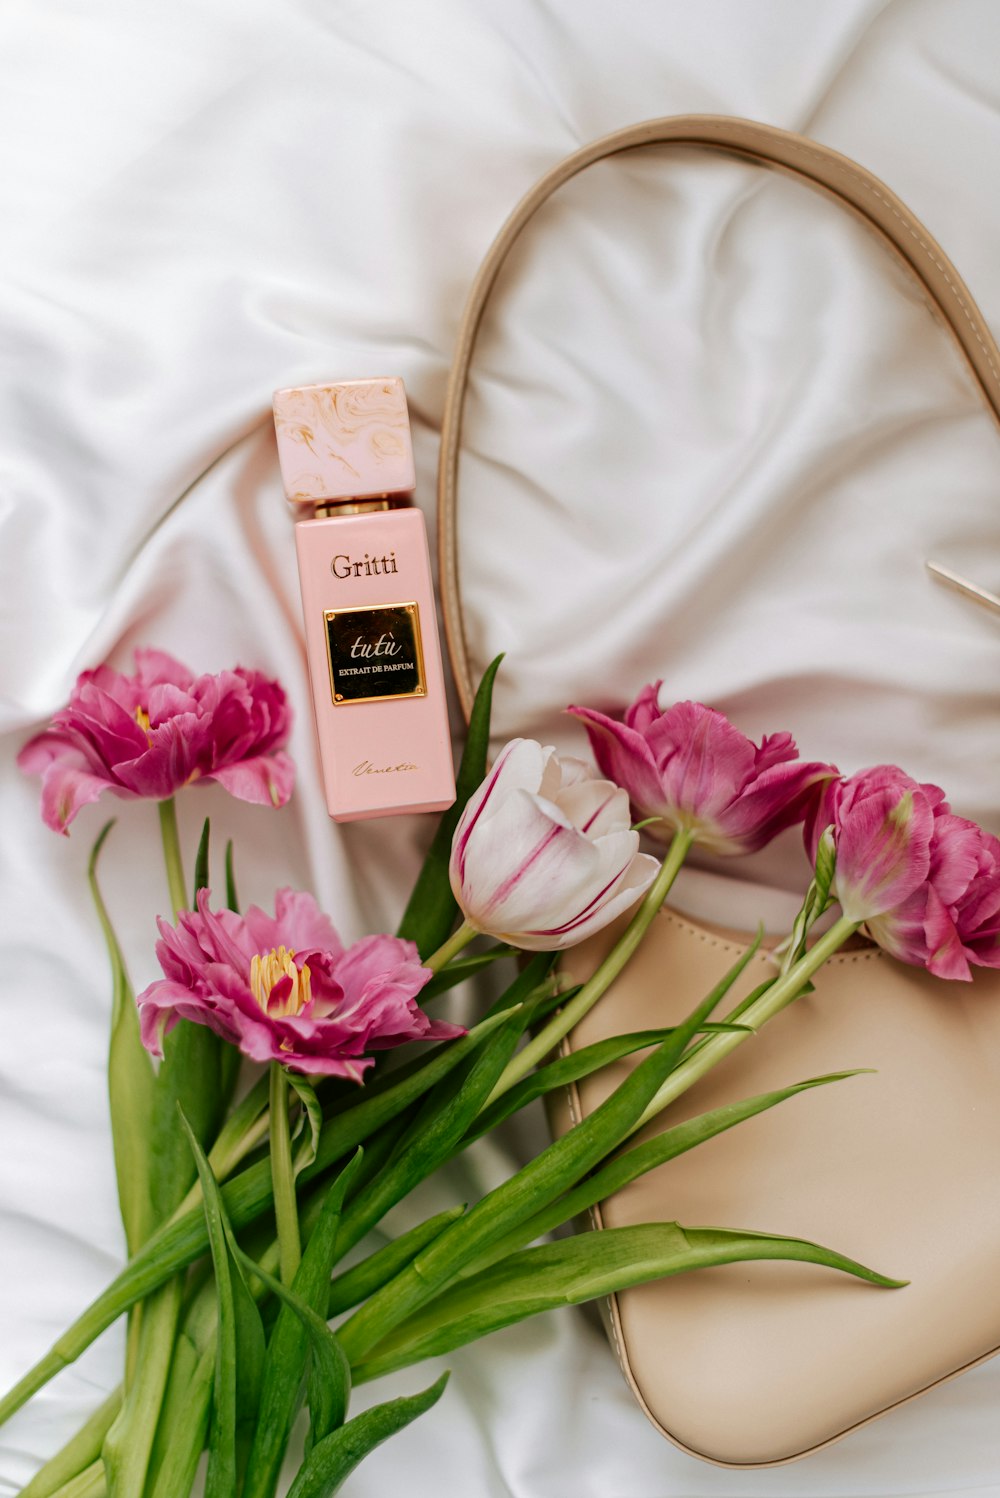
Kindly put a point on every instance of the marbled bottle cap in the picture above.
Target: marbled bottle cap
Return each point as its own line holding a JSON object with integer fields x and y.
{"x": 343, "y": 442}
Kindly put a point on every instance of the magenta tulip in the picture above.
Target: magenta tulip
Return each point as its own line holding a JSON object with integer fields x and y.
{"x": 882, "y": 822}
{"x": 688, "y": 767}
{"x": 543, "y": 854}
{"x": 924, "y": 882}
{"x": 160, "y": 729}
{"x": 975, "y": 910}
{"x": 284, "y": 988}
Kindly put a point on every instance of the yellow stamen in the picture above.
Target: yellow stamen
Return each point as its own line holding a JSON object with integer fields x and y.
{"x": 267, "y": 969}
{"x": 142, "y": 718}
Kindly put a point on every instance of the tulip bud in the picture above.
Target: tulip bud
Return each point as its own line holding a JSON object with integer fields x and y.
{"x": 925, "y": 883}
{"x": 689, "y": 770}
{"x": 543, "y": 854}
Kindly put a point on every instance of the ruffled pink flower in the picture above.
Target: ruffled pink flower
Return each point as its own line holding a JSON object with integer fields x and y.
{"x": 284, "y": 988}
{"x": 689, "y": 767}
{"x": 543, "y": 854}
{"x": 152, "y": 733}
{"x": 976, "y": 909}
{"x": 925, "y": 883}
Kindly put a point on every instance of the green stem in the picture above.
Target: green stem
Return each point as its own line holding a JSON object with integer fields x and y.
{"x": 176, "y": 1475}
{"x": 129, "y": 1441}
{"x": 184, "y": 1425}
{"x": 560, "y": 1025}
{"x": 36, "y": 1378}
{"x": 242, "y": 1131}
{"x": 785, "y": 988}
{"x": 282, "y": 1176}
{"x": 79, "y": 1453}
{"x": 172, "y": 855}
{"x": 132, "y": 1342}
{"x": 451, "y": 947}
{"x": 89, "y": 1484}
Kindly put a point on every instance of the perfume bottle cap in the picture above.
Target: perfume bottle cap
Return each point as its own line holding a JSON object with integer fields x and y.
{"x": 343, "y": 442}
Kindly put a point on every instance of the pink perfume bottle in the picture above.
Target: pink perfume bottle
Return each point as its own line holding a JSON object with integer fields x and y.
{"x": 368, "y": 599}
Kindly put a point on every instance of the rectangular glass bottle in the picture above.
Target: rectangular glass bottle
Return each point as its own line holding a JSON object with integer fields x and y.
{"x": 367, "y": 598}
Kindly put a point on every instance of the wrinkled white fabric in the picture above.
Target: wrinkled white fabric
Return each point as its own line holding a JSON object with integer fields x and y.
{"x": 713, "y": 434}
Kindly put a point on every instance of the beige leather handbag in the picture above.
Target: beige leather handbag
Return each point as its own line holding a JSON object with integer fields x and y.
{"x": 755, "y": 1364}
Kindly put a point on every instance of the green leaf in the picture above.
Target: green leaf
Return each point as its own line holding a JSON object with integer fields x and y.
{"x": 330, "y": 1373}
{"x": 128, "y": 1444}
{"x": 543, "y": 1179}
{"x": 437, "y": 1130}
{"x": 826, "y": 867}
{"x": 532, "y": 988}
{"x": 571, "y": 1068}
{"x": 190, "y": 1075}
{"x": 239, "y": 1357}
{"x": 80, "y": 1451}
{"x": 384, "y": 1098}
{"x": 232, "y": 899}
{"x": 551, "y": 997}
{"x": 431, "y": 911}
{"x": 183, "y": 1371}
{"x": 733, "y": 1016}
{"x": 230, "y": 1061}
{"x": 131, "y": 1082}
{"x": 228, "y": 1056}
{"x": 189, "y": 1078}
{"x": 90, "y": 1483}
{"x": 242, "y": 1131}
{"x": 335, "y": 1458}
{"x": 288, "y": 1347}
{"x": 201, "y": 877}
{"x": 249, "y": 1194}
{"x": 357, "y": 1283}
{"x": 312, "y": 1114}
{"x": 460, "y": 970}
{"x": 816, "y": 902}
{"x": 579, "y": 1269}
{"x": 631, "y": 1164}
{"x": 189, "y": 1431}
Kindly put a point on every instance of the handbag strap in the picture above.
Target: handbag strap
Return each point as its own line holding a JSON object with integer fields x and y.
{"x": 813, "y": 164}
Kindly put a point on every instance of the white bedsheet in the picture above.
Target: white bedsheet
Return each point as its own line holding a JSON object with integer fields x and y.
{"x": 713, "y": 435}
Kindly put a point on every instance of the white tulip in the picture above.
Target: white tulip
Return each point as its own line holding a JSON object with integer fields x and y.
{"x": 544, "y": 854}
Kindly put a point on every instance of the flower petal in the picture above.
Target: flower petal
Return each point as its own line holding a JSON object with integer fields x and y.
{"x": 304, "y": 926}
{"x": 776, "y": 799}
{"x": 595, "y": 807}
{"x": 265, "y": 779}
{"x": 66, "y": 789}
{"x": 622, "y": 892}
{"x": 155, "y": 667}
{"x": 361, "y": 999}
{"x": 624, "y": 756}
{"x": 883, "y": 852}
{"x": 520, "y": 764}
{"x": 154, "y": 732}
{"x": 702, "y": 761}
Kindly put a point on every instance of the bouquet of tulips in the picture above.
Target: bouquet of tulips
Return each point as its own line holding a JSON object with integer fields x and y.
{"x": 263, "y": 1123}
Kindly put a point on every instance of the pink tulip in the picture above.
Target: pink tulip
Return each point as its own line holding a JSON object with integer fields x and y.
{"x": 976, "y": 910}
{"x": 543, "y": 854}
{"x": 152, "y": 733}
{"x": 925, "y": 883}
{"x": 687, "y": 766}
{"x": 284, "y": 988}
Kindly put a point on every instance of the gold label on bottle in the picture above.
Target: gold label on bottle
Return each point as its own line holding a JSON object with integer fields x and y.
{"x": 375, "y": 653}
